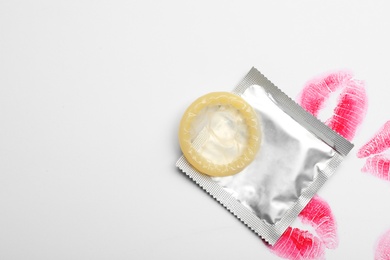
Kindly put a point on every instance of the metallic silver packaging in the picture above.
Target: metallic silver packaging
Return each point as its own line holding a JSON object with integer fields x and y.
{"x": 297, "y": 156}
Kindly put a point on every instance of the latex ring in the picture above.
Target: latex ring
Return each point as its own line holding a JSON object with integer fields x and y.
{"x": 220, "y": 126}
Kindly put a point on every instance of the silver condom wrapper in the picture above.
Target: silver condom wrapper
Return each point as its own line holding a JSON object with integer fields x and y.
{"x": 298, "y": 154}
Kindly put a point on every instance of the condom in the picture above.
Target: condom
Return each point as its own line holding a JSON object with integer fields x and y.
{"x": 219, "y": 134}
{"x": 294, "y": 157}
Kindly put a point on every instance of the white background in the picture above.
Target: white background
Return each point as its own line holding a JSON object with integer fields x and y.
{"x": 91, "y": 95}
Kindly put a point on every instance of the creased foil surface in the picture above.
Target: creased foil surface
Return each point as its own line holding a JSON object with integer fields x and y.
{"x": 288, "y": 161}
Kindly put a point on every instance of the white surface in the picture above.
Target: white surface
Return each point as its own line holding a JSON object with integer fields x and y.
{"x": 91, "y": 95}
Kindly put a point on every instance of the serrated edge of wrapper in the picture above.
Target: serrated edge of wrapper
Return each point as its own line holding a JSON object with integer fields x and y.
{"x": 271, "y": 233}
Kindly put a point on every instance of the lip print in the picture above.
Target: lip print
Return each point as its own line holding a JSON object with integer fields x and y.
{"x": 352, "y": 102}
{"x": 378, "y": 166}
{"x": 379, "y": 163}
{"x": 318, "y": 214}
{"x": 382, "y": 250}
{"x": 301, "y": 244}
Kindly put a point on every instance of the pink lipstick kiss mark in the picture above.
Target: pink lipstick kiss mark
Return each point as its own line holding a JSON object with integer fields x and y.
{"x": 318, "y": 214}
{"x": 352, "y": 103}
{"x": 382, "y": 250}
{"x": 378, "y": 164}
{"x": 300, "y": 244}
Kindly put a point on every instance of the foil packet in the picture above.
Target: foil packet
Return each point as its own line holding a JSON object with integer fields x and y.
{"x": 297, "y": 155}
